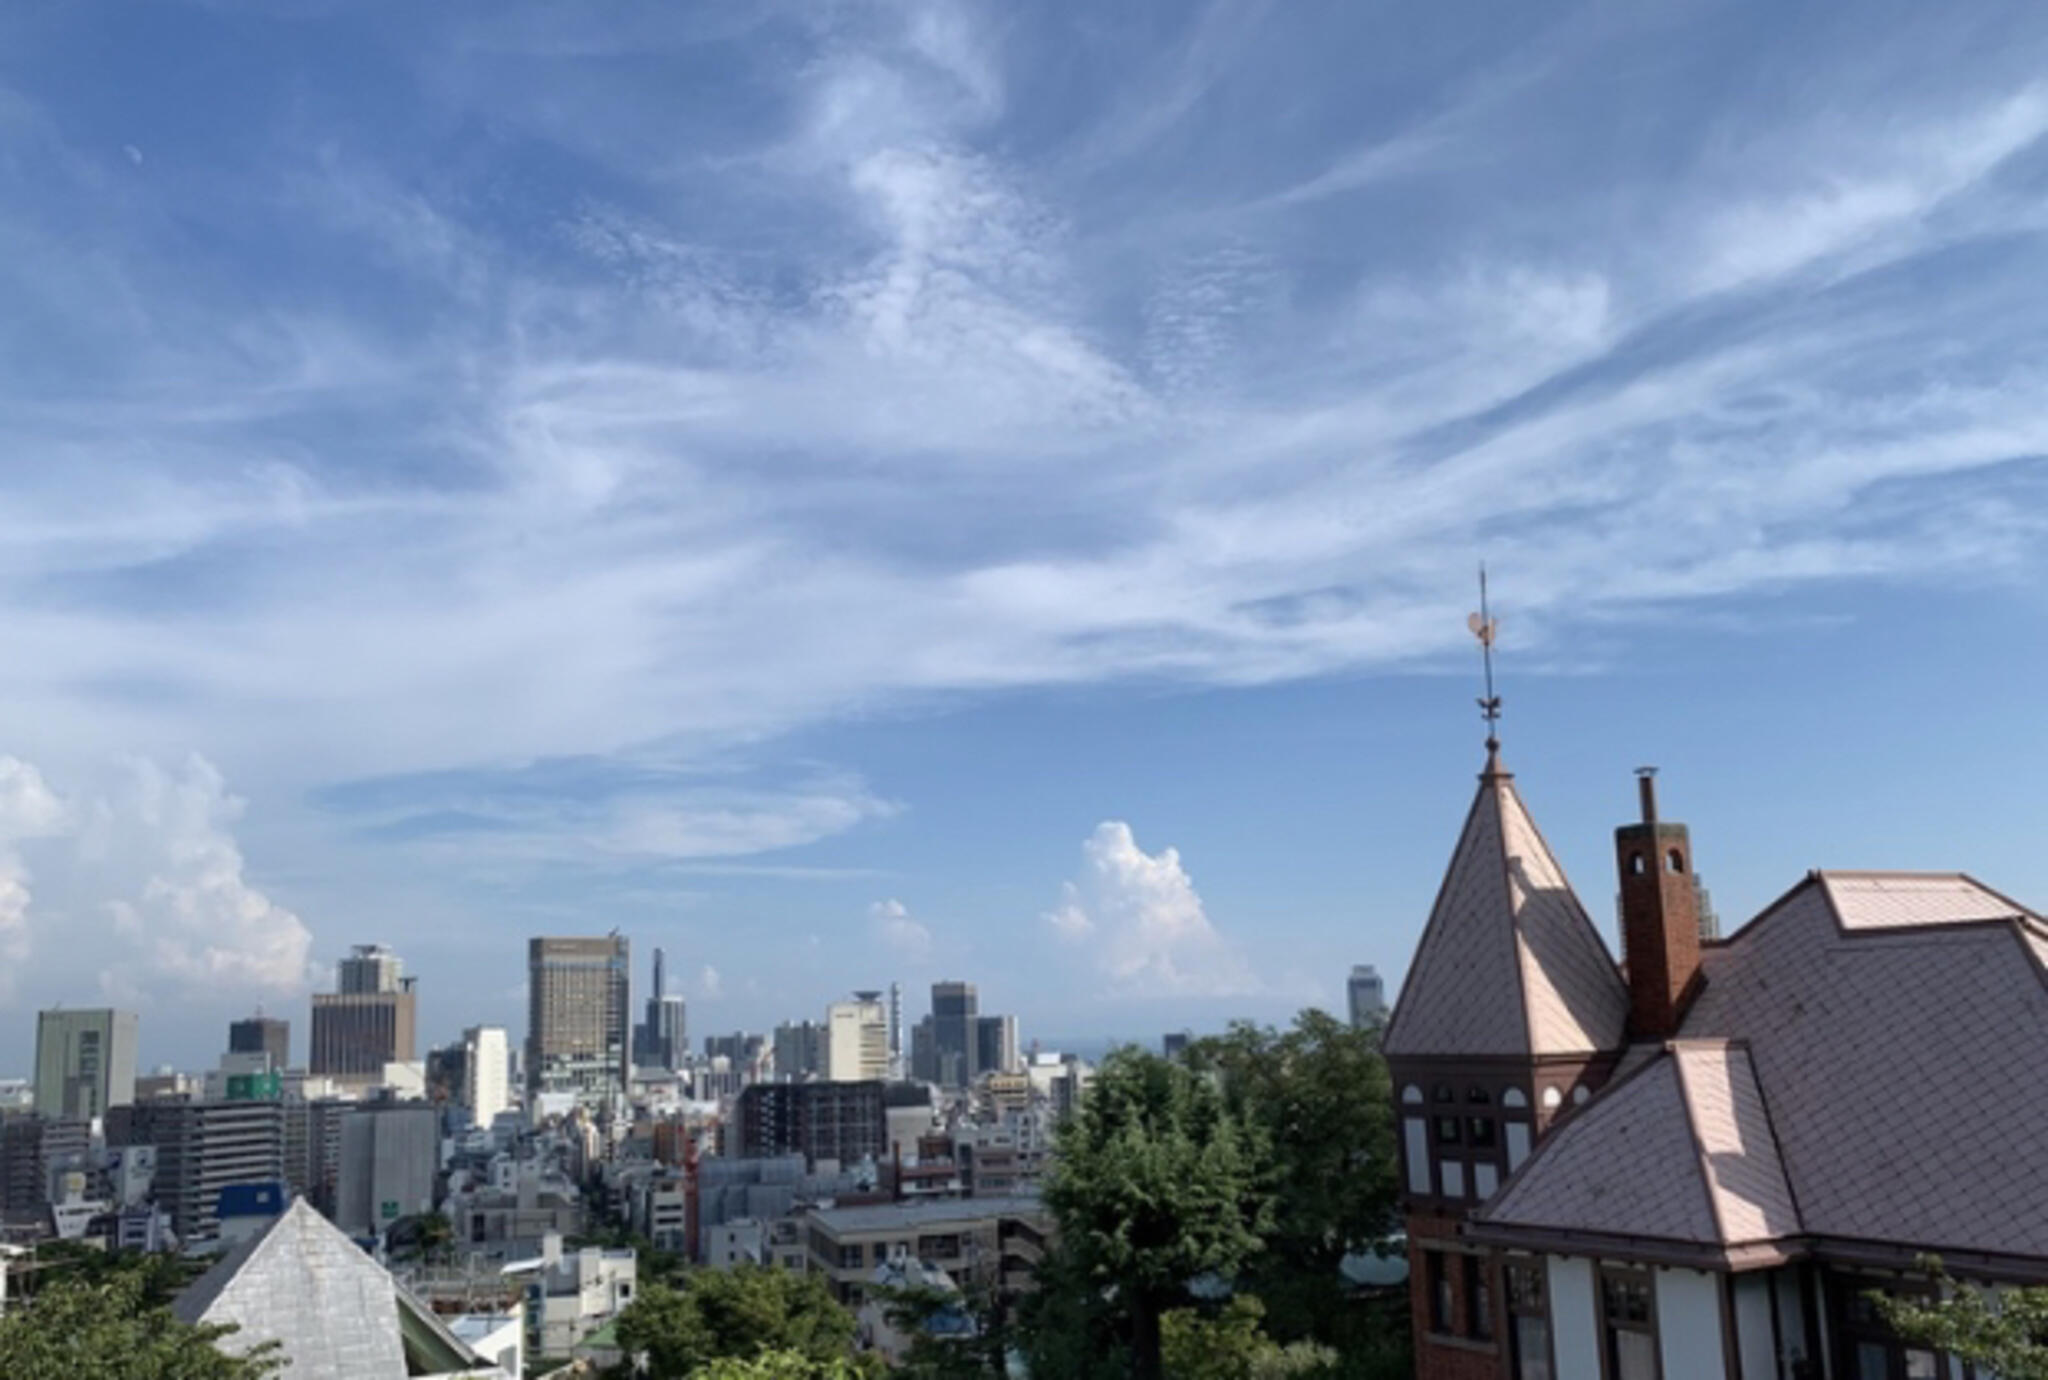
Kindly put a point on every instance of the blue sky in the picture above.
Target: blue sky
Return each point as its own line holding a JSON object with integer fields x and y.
{"x": 860, "y": 492}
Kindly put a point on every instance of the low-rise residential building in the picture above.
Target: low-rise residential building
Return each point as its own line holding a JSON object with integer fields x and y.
{"x": 993, "y": 1243}
{"x": 569, "y": 1296}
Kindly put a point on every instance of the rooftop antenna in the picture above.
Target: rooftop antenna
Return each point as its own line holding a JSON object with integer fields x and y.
{"x": 1486, "y": 628}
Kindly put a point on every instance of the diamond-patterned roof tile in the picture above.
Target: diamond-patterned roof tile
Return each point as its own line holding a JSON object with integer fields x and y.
{"x": 1509, "y": 962}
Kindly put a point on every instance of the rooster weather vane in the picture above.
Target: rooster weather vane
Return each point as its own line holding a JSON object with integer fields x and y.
{"x": 1486, "y": 627}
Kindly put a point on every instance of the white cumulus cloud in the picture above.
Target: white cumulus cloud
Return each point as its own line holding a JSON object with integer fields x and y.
{"x": 895, "y": 927}
{"x": 28, "y": 809}
{"x": 145, "y": 881}
{"x": 185, "y": 899}
{"x": 709, "y": 983}
{"x": 1142, "y": 915}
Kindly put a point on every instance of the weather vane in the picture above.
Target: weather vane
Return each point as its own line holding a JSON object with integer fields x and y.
{"x": 1486, "y": 627}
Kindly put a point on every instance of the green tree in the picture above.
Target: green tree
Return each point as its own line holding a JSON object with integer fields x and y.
{"x": 107, "y": 1329}
{"x": 930, "y": 1357}
{"x": 1233, "y": 1346}
{"x": 733, "y": 1315}
{"x": 2007, "y": 1336}
{"x": 1156, "y": 1182}
{"x": 1323, "y": 1100}
{"x": 782, "y": 1365}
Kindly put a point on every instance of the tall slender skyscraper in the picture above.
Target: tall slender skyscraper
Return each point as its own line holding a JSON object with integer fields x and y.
{"x": 1367, "y": 996}
{"x": 662, "y": 1040}
{"x": 576, "y": 1036}
{"x": 896, "y": 1030}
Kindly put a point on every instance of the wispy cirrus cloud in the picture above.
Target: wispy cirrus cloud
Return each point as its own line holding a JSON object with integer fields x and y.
{"x": 695, "y": 381}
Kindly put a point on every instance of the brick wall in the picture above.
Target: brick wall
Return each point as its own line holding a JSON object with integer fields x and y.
{"x": 1457, "y": 1356}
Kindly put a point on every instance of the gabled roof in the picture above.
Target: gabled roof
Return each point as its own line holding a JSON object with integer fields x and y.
{"x": 335, "y": 1312}
{"x": 1863, "y": 1065}
{"x": 1509, "y": 963}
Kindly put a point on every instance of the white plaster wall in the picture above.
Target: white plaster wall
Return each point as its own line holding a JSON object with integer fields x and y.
{"x": 1753, "y": 1339}
{"x": 1689, "y": 1325}
{"x": 1574, "y": 1317}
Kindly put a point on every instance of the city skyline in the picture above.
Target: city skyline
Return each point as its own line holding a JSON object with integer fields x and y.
{"x": 444, "y": 516}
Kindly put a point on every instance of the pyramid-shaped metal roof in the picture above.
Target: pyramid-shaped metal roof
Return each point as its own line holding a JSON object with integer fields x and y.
{"x": 1509, "y": 963}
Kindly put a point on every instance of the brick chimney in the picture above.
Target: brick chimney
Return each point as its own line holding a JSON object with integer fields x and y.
{"x": 1660, "y": 927}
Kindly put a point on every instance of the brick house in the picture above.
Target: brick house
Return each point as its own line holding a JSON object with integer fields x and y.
{"x": 1694, "y": 1164}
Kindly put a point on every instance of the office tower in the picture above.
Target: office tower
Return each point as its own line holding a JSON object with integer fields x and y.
{"x": 662, "y": 1041}
{"x": 261, "y": 1034}
{"x": 368, "y": 968}
{"x": 896, "y": 1030}
{"x": 576, "y": 1036}
{"x": 799, "y": 1051}
{"x": 995, "y": 1045}
{"x": 33, "y": 1149}
{"x": 857, "y": 1039}
{"x": 844, "y": 1122}
{"x": 85, "y": 1062}
{"x": 486, "y": 1087}
{"x": 390, "y": 1155}
{"x": 368, "y": 1021}
{"x": 1175, "y": 1043}
{"x": 201, "y": 1147}
{"x": 1368, "y": 997}
{"x": 924, "y": 1052}
{"x": 955, "y": 1008}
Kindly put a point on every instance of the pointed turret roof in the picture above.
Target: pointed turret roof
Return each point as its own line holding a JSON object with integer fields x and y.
{"x": 1509, "y": 963}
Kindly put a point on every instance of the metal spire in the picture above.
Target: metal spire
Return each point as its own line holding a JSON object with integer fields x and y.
{"x": 1486, "y": 627}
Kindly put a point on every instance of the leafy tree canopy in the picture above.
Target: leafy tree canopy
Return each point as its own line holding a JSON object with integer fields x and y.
{"x": 782, "y": 1365}
{"x": 1322, "y": 1100}
{"x": 1233, "y": 1346}
{"x": 1157, "y": 1182}
{"x": 2006, "y": 1334}
{"x": 735, "y": 1314}
{"x": 108, "y": 1329}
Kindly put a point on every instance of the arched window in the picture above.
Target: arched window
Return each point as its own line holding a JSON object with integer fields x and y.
{"x": 1676, "y": 860}
{"x": 1411, "y": 1093}
{"x": 1580, "y": 1094}
{"x": 1635, "y": 863}
{"x": 1551, "y": 1098}
{"x": 1478, "y": 1095}
{"x": 1514, "y": 1097}
{"x": 1443, "y": 1092}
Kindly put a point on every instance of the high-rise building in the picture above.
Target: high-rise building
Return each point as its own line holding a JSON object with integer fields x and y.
{"x": 995, "y": 1045}
{"x": 33, "y": 1149}
{"x": 1367, "y": 996}
{"x": 85, "y": 1061}
{"x": 201, "y": 1147}
{"x": 845, "y": 1122}
{"x": 896, "y": 1030}
{"x": 261, "y": 1034}
{"x": 799, "y": 1051}
{"x": 924, "y": 1052}
{"x": 576, "y": 1035}
{"x": 857, "y": 1039}
{"x": 955, "y": 1009}
{"x": 390, "y": 1154}
{"x": 368, "y": 968}
{"x": 486, "y": 1073}
{"x": 662, "y": 1040}
{"x": 368, "y": 1021}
